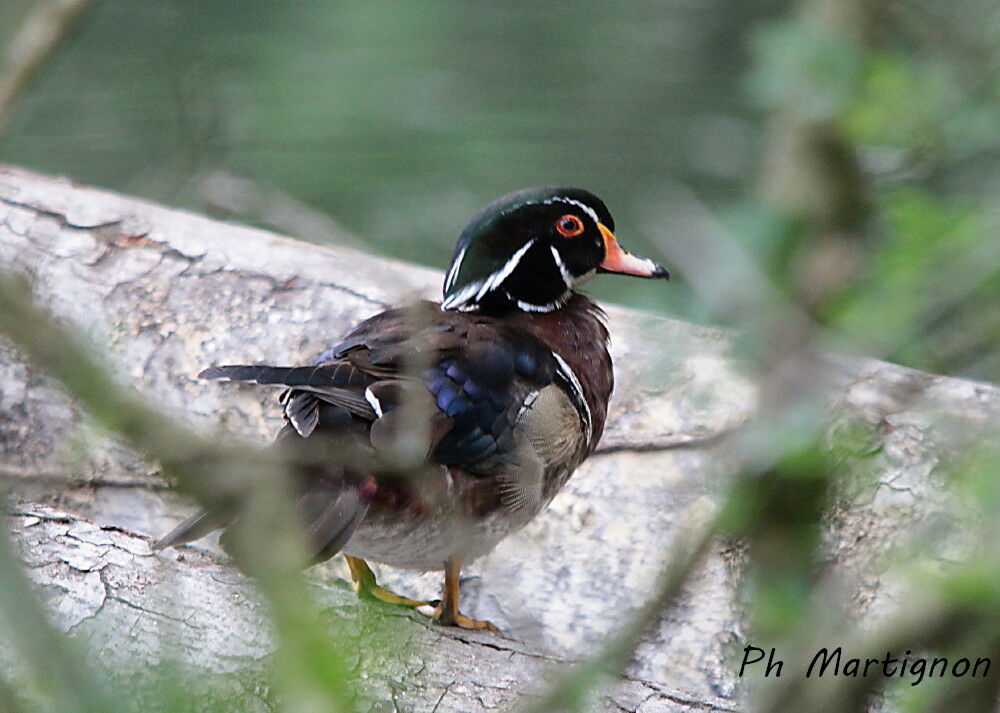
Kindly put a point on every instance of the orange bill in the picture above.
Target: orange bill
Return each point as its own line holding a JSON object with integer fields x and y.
{"x": 617, "y": 259}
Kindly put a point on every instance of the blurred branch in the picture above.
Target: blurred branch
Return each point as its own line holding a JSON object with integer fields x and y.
{"x": 10, "y": 473}
{"x": 9, "y": 702}
{"x": 472, "y": 672}
{"x": 46, "y": 658}
{"x": 245, "y": 482}
{"x": 47, "y": 25}
{"x": 807, "y": 70}
{"x": 812, "y": 180}
{"x": 250, "y": 200}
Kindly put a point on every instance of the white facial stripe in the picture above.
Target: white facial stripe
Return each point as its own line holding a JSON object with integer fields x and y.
{"x": 497, "y": 278}
{"x": 477, "y": 290}
{"x": 462, "y": 296}
{"x": 453, "y": 272}
{"x": 577, "y": 396}
{"x": 468, "y": 297}
{"x": 582, "y": 206}
{"x": 566, "y": 276}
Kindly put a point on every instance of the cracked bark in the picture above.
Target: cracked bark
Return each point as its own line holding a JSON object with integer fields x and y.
{"x": 165, "y": 293}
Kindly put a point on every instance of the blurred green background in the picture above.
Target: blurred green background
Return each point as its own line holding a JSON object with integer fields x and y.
{"x": 398, "y": 120}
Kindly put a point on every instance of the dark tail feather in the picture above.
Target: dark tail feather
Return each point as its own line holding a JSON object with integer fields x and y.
{"x": 194, "y": 528}
{"x": 340, "y": 375}
{"x": 336, "y": 522}
{"x": 249, "y": 372}
{"x": 332, "y": 515}
{"x": 330, "y": 509}
{"x": 200, "y": 524}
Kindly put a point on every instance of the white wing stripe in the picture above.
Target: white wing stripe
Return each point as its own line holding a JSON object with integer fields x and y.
{"x": 526, "y": 404}
{"x": 373, "y": 400}
{"x": 577, "y": 397}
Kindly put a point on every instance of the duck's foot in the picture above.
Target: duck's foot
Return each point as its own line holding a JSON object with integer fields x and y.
{"x": 446, "y": 612}
{"x": 456, "y": 618}
{"x": 367, "y": 588}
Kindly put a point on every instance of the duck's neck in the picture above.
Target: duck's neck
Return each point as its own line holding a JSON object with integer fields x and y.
{"x": 576, "y": 332}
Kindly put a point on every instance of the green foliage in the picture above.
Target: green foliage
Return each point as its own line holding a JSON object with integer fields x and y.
{"x": 777, "y": 513}
{"x": 931, "y": 285}
{"x": 806, "y": 67}
{"x": 899, "y": 104}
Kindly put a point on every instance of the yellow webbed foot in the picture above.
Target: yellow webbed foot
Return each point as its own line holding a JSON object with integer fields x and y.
{"x": 447, "y": 612}
{"x": 367, "y": 588}
{"x": 457, "y": 618}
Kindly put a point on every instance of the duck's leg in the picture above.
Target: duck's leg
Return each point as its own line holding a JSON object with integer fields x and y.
{"x": 367, "y": 588}
{"x": 447, "y": 611}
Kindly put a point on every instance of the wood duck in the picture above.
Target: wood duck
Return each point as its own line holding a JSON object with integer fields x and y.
{"x": 505, "y": 382}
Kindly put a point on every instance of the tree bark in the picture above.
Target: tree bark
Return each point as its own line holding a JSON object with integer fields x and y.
{"x": 165, "y": 293}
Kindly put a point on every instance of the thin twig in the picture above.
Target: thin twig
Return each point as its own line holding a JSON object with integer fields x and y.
{"x": 44, "y": 29}
{"x": 669, "y": 443}
{"x": 268, "y": 206}
{"x": 20, "y": 475}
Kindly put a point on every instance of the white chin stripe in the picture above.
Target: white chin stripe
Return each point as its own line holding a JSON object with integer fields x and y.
{"x": 548, "y": 307}
{"x": 576, "y": 396}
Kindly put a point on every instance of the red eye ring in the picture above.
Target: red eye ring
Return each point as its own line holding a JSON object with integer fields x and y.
{"x": 569, "y": 226}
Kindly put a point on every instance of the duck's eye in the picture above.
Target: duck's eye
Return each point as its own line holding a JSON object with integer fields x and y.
{"x": 569, "y": 225}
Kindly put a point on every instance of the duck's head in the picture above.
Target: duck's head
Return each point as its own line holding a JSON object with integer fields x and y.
{"x": 528, "y": 250}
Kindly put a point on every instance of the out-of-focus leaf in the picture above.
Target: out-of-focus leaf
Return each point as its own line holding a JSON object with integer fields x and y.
{"x": 809, "y": 69}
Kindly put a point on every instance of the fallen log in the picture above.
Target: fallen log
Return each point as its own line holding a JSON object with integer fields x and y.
{"x": 166, "y": 293}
